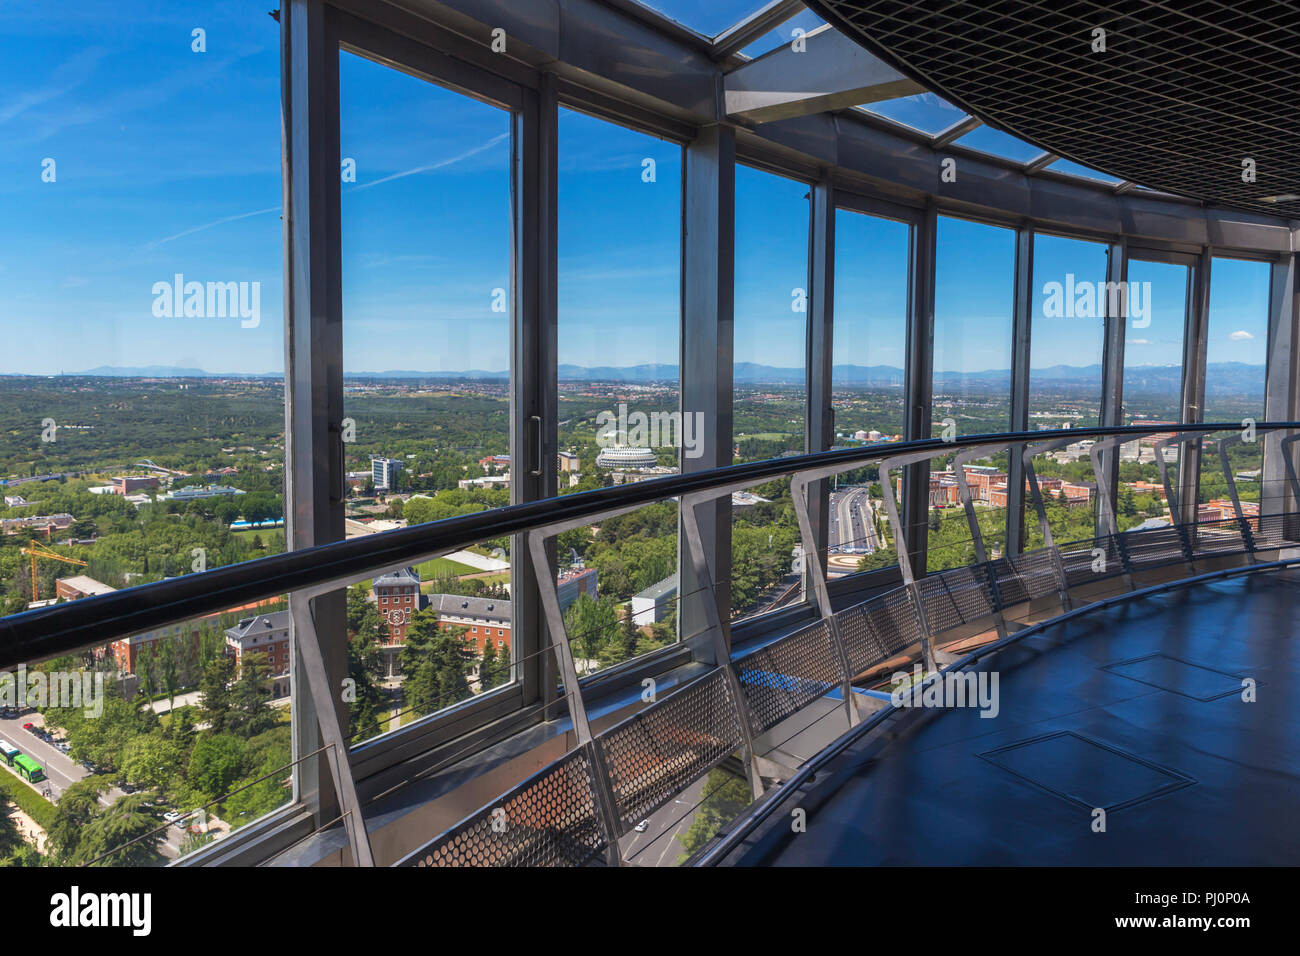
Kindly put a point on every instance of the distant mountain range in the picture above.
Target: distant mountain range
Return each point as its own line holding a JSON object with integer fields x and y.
{"x": 1223, "y": 376}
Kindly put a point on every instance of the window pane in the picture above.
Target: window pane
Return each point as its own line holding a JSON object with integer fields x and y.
{"x": 1068, "y": 333}
{"x": 1236, "y": 356}
{"x": 426, "y": 213}
{"x": 1153, "y": 384}
{"x": 972, "y": 326}
{"x": 869, "y": 354}
{"x": 972, "y": 380}
{"x": 769, "y": 403}
{"x": 618, "y": 342}
{"x": 1153, "y": 341}
{"x": 141, "y": 375}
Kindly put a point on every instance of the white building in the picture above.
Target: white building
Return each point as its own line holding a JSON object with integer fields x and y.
{"x": 624, "y": 457}
{"x": 383, "y": 471}
{"x": 652, "y": 604}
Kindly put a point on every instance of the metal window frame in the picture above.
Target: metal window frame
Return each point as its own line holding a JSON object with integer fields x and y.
{"x": 377, "y": 762}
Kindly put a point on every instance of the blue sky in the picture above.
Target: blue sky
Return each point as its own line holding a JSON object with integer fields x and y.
{"x": 168, "y": 161}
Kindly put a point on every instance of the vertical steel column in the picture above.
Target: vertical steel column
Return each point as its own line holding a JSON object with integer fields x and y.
{"x": 314, "y": 452}
{"x": 708, "y": 296}
{"x": 1022, "y": 326}
{"x": 1195, "y": 346}
{"x": 820, "y": 431}
{"x": 559, "y": 638}
{"x": 717, "y": 636}
{"x": 533, "y": 394}
{"x": 1282, "y": 395}
{"x": 1112, "y": 379}
{"x": 918, "y": 385}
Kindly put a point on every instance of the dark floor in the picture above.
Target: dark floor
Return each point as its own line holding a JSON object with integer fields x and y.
{"x": 1136, "y": 710}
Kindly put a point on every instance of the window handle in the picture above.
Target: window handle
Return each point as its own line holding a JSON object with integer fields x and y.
{"x": 538, "y": 467}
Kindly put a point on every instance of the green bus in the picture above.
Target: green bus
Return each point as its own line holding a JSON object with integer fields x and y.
{"x": 8, "y": 752}
{"x": 29, "y": 769}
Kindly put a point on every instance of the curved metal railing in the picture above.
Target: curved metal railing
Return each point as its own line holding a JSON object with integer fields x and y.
{"x": 579, "y": 808}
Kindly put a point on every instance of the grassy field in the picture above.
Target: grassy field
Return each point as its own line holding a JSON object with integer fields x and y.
{"x": 271, "y": 537}
{"x": 438, "y": 566}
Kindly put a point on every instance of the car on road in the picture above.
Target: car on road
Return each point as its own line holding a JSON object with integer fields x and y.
{"x": 64, "y": 746}
{"x": 642, "y": 826}
{"x": 128, "y": 787}
{"x": 32, "y": 728}
{"x": 171, "y": 816}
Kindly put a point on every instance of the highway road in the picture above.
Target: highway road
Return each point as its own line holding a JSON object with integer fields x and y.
{"x": 852, "y": 521}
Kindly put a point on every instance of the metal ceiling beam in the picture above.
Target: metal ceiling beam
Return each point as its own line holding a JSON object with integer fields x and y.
{"x": 742, "y": 34}
{"x": 1041, "y": 163}
{"x": 829, "y": 72}
{"x": 956, "y": 131}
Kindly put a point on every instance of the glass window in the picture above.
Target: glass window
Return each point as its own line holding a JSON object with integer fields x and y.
{"x": 709, "y": 18}
{"x": 1236, "y": 357}
{"x": 426, "y": 231}
{"x": 974, "y": 293}
{"x": 872, "y": 269}
{"x": 141, "y": 375}
{"x": 619, "y": 347}
{"x": 805, "y": 21}
{"x": 769, "y": 402}
{"x": 1153, "y": 341}
{"x": 1068, "y": 332}
{"x": 926, "y": 112}
{"x": 1086, "y": 172}
{"x": 990, "y": 140}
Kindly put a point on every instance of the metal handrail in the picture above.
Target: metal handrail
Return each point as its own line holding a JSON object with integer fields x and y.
{"x": 67, "y": 628}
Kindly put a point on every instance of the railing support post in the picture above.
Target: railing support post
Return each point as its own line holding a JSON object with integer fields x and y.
{"x": 1036, "y": 494}
{"x": 1246, "y": 534}
{"x": 327, "y": 717}
{"x": 905, "y": 558}
{"x": 977, "y": 538}
{"x": 1106, "y": 500}
{"x": 721, "y": 651}
{"x": 559, "y": 637}
{"x": 816, "y": 573}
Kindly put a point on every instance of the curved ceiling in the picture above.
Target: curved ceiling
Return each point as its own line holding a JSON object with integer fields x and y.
{"x": 1180, "y": 96}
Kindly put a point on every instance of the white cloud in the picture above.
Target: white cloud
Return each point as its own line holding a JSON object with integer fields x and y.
{"x": 1139, "y": 341}
{"x": 1241, "y": 335}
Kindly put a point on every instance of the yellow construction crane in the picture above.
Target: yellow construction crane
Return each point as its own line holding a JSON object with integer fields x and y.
{"x": 35, "y": 551}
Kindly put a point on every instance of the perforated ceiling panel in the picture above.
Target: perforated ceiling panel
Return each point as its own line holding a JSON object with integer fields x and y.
{"x": 1180, "y": 96}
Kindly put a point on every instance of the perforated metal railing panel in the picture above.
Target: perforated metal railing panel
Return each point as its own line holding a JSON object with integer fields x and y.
{"x": 1011, "y": 587}
{"x": 955, "y": 597}
{"x": 1037, "y": 573}
{"x": 1217, "y": 537}
{"x": 659, "y": 752}
{"x": 548, "y": 820}
{"x": 1275, "y": 531}
{"x": 1153, "y": 548}
{"x": 788, "y": 674}
{"x": 1088, "y": 561}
